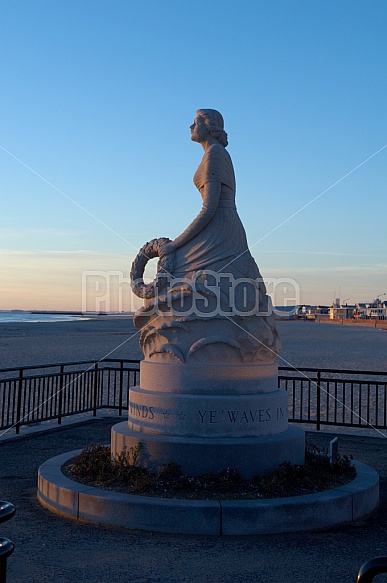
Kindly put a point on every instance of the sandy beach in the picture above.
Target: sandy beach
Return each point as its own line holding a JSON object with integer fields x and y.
{"x": 304, "y": 344}
{"x": 26, "y": 344}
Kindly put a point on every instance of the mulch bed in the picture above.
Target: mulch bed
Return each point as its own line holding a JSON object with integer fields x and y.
{"x": 95, "y": 467}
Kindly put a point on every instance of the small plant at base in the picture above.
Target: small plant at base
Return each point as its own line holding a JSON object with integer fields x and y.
{"x": 93, "y": 463}
{"x": 135, "y": 452}
{"x": 169, "y": 471}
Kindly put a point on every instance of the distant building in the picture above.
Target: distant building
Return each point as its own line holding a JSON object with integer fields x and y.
{"x": 375, "y": 310}
{"x": 379, "y": 313}
{"x": 322, "y": 311}
{"x": 341, "y": 312}
{"x": 307, "y": 312}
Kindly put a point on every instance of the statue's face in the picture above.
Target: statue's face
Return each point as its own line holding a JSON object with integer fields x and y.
{"x": 198, "y": 130}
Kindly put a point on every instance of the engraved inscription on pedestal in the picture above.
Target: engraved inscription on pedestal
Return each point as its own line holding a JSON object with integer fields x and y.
{"x": 208, "y": 415}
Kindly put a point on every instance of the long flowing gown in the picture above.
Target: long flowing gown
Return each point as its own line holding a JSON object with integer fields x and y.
{"x": 216, "y": 252}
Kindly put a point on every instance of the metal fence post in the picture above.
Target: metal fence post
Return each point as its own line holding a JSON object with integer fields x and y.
{"x": 120, "y": 406}
{"x": 60, "y": 396}
{"x": 318, "y": 404}
{"x": 95, "y": 388}
{"x": 18, "y": 402}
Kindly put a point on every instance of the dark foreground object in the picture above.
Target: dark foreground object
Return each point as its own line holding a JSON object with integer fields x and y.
{"x": 7, "y": 510}
{"x": 372, "y": 568}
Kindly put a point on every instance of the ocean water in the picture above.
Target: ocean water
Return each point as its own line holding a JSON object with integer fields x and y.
{"x": 18, "y": 317}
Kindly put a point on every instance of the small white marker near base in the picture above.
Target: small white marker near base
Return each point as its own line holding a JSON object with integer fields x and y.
{"x": 333, "y": 450}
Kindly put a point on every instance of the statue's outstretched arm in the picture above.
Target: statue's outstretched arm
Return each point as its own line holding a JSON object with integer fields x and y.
{"x": 210, "y": 194}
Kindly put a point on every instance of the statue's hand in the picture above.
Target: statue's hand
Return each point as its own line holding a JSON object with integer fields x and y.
{"x": 166, "y": 249}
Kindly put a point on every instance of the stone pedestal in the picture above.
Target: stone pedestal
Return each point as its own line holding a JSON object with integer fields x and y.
{"x": 210, "y": 417}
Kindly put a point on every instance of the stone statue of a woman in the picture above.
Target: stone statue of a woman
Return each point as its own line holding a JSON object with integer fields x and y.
{"x": 208, "y": 395}
{"x": 209, "y": 302}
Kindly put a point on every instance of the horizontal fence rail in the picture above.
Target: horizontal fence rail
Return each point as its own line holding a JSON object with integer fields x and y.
{"x": 317, "y": 397}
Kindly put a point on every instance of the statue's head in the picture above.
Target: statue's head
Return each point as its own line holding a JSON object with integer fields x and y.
{"x": 215, "y": 124}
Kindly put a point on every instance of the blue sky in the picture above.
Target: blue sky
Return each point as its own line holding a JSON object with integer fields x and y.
{"x": 95, "y": 150}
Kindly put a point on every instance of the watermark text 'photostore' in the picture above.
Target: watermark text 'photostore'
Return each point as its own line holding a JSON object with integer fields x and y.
{"x": 208, "y": 294}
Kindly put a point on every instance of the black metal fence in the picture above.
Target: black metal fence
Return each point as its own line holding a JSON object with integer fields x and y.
{"x": 347, "y": 398}
{"x": 40, "y": 393}
{"x": 318, "y": 397}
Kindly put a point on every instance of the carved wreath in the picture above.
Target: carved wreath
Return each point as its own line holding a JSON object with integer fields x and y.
{"x": 164, "y": 267}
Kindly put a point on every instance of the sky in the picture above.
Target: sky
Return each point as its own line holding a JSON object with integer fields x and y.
{"x": 96, "y": 157}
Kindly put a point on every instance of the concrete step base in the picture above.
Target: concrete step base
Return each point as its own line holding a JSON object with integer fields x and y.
{"x": 207, "y": 517}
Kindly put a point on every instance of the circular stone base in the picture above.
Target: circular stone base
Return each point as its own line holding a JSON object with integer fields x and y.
{"x": 207, "y": 517}
{"x": 195, "y": 456}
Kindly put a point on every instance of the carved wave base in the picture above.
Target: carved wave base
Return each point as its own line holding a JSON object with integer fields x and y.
{"x": 208, "y": 418}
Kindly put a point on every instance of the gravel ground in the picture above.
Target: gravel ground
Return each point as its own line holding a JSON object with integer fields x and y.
{"x": 52, "y": 548}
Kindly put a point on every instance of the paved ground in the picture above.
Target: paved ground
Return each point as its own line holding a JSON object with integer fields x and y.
{"x": 55, "y": 549}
